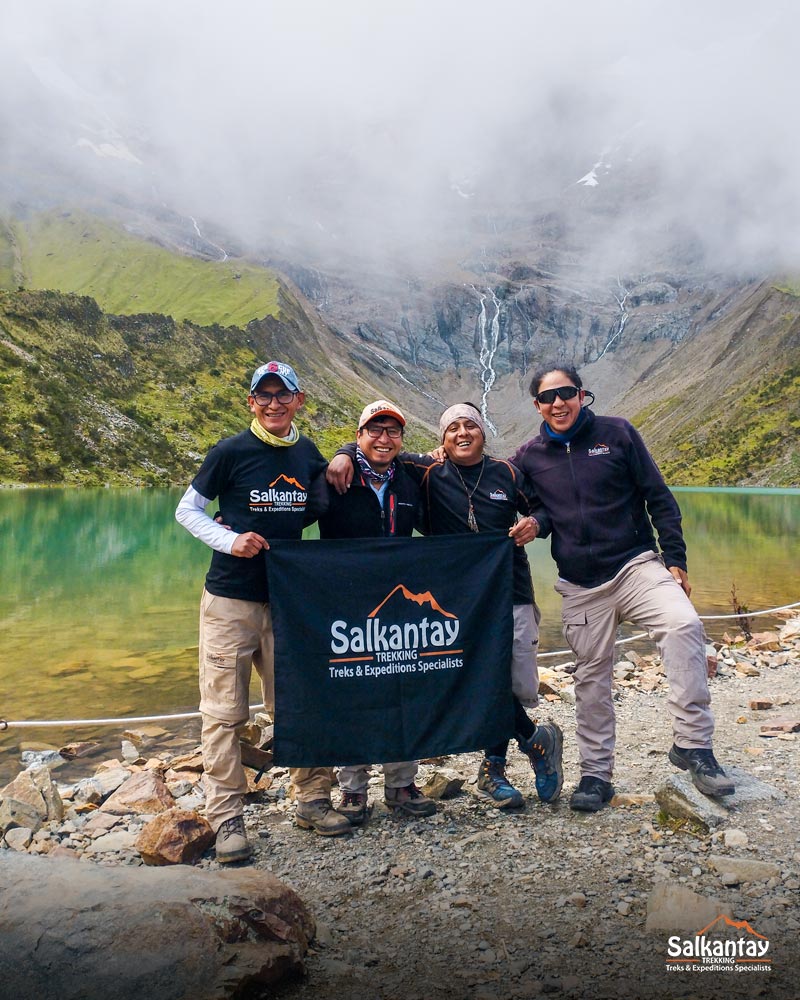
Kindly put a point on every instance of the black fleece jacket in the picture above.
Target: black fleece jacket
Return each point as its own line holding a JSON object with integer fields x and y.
{"x": 597, "y": 496}
{"x": 358, "y": 514}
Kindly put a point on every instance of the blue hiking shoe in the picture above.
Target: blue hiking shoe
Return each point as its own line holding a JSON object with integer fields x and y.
{"x": 544, "y": 750}
{"x": 494, "y": 786}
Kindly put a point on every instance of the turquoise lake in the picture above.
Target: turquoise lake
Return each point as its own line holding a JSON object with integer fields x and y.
{"x": 99, "y": 592}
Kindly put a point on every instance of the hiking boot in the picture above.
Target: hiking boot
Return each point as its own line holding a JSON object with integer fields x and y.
{"x": 706, "y": 774}
{"x": 320, "y": 816}
{"x": 591, "y": 794}
{"x": 232, "y": 844}
{"x": 354, "y": 806}
{"x": 494, "y": 786}
{"x": 543, "y": 749}
{"x": 409, "y": 800}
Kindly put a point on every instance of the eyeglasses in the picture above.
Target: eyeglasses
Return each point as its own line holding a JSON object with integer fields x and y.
{"x": 564, "y": 392}
{"x": 265, "y": 398}
{"x": 376, "y": 431}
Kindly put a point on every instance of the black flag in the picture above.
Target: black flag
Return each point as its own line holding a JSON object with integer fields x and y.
{"x": 390, "y": 649}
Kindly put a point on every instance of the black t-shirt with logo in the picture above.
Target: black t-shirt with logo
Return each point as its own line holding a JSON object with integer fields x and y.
{"x": 497, "y": 495}
{"x": 261, "y": 488}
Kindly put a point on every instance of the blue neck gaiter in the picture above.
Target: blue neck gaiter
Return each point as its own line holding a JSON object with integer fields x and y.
{"x": 567, "y": 436}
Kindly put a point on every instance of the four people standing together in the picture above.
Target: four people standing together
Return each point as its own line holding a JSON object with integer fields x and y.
{"x": 587, "y": 481}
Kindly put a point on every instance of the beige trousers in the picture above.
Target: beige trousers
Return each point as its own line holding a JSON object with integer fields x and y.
{"x": 235, "y": 637}
{"x": 643, "y": 592}
{"x": 354, "y": 777}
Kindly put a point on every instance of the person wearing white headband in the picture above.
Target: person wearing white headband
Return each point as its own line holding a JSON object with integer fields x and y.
{"x": 471, "y": 492}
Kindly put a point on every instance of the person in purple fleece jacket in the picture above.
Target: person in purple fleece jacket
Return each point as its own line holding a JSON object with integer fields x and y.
{"x": 602, "y": 500}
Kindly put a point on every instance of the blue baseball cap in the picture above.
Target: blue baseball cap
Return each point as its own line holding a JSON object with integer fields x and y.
{"x": 284, "y": 372}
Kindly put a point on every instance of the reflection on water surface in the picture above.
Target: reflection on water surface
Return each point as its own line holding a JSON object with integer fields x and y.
{"x": 99, "y": 592}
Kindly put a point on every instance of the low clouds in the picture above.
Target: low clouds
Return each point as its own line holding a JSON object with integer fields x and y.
{"x": 363, "y": 129}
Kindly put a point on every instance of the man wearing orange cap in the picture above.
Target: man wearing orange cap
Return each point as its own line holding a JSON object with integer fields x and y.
{"x": 381, "y": 502}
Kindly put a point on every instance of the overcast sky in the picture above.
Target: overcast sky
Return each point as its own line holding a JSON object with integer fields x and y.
{"x": 361, "y": 122}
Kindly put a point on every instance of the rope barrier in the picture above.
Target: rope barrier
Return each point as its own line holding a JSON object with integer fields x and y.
{"x": 44, "y": 723}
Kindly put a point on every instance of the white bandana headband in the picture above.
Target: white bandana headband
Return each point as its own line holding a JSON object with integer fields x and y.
{"x": 461, "y": 411}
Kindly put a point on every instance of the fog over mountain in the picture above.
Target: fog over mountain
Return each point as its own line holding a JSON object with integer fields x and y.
{"x": 363, "y": 131}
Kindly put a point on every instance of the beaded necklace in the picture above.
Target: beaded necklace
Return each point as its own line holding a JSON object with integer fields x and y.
{"x": 472, "y": 524}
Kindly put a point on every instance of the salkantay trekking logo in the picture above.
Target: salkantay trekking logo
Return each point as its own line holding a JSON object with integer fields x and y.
{"x": 599, "y": 449}
{"x": 716, "y": 948}
{"x": 398, "y": 646}
{"x": 292, "y": 497}
{"x": 499, "y": 494}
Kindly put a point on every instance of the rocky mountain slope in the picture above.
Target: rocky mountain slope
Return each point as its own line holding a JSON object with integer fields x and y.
{"x": 90, "y": 398}
{"x": 688, "y": 355}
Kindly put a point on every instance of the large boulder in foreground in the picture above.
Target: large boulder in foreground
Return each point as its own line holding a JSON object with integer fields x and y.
{"x": 79, "y": 931}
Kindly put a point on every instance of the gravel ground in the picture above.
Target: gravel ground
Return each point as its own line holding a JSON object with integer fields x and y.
{"x": 474, "y": 902}
{"x": 478, "y": 903}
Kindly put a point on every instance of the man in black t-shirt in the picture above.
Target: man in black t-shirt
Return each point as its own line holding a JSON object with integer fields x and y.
{"x": 269, "y": 481}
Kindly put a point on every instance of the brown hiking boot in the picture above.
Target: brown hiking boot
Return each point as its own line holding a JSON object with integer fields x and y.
{"x": 232, "y": 844}
{"x": 354, "y": 806}
{"x": 320, "y": 816}
{"x": 410, "y": 800}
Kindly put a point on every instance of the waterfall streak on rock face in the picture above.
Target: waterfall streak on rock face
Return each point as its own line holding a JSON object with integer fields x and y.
{"x": 623, "y": 319}
{"x": 401, "y": 376}
{"x": 489, "y": 338}
{"x": 223, "y": 252}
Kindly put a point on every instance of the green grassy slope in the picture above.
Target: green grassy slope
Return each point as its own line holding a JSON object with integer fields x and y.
{"x": 728, "y": 411}
{"x": 78, "y": 252}
{"x": 88, "y": 398}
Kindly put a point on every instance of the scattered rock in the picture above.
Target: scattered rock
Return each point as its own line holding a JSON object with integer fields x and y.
{"x": 678, "y": 797}
{"x": 632, "y": 799}
{"x": 674, "y": 907}
{"x": 744, "y": 869}
{"x": 442, "y": 784}
{"x": 135, "y": 932}
{"x": 143, "y": 733}
{"x": 18, "y": 838}
{"x": 778, "y": 726}
{"x": 144, "y": 792}
{"x": 735, "y": 838}
{"x": 36, "y": 788}
{"x": 174, "y": 837}
{"x": 72, "y": 751}
{"x": 111, "y": 843}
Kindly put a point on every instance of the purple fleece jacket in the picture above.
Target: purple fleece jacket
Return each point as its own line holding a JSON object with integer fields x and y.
{"x": 597, "y": 496}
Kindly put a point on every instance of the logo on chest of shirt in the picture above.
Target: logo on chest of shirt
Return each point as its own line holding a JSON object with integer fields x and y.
{"x": 498, "y": 495}
{"x": 599, "y": 449}
{"x": 283, "y": 494}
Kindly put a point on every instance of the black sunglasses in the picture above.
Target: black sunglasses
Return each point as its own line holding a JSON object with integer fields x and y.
{"x": 564, "y": 392}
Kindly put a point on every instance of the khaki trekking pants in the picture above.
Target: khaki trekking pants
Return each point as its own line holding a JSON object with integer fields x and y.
{"x": 355, "y": 777}
{"x": 235, "y": 637}
{"x": 643, "y": 592}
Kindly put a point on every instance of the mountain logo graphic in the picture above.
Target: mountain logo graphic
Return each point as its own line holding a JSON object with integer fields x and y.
{"x": 413, "y": 633}
{"x": 288, "y": 480}
{"x": 736, "y": 924}
{"x": 420, "y": 599}
{"x": 715, "y": 948}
